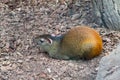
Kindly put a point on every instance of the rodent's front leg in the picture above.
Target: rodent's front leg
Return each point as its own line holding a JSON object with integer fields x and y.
{"x": 58, "y": 56}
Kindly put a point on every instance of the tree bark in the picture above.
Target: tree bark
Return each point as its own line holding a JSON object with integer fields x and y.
{"x": 107, "y": 12}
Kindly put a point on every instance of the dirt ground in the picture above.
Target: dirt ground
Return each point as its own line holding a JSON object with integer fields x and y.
{"x": 21, "y": 20}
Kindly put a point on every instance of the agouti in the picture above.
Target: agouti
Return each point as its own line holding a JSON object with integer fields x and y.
{"x": 81, "y": 42}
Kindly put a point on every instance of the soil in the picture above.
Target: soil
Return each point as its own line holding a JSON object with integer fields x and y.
{"x": 22, "y": 20}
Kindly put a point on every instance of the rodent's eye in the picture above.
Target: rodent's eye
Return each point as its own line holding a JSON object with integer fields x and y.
{"x": 42, "y": 40}
{"x": 47, "y": 40}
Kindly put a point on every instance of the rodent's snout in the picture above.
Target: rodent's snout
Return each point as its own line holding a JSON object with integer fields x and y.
{"x": 35, "y": 41}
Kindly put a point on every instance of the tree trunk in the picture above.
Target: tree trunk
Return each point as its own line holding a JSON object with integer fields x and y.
{"x": 107, "y": 12}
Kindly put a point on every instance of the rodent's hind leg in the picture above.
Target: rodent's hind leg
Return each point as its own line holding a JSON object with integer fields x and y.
{"x": 75, "y": 57}
{"x": 88, "y": 47}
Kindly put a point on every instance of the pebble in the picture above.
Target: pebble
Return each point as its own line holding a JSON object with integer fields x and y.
{"x": 75, "y": 16}
{"x": 5, "y": 63}
{"x": 20, "y": 61}
{"x": 49, "y": 70}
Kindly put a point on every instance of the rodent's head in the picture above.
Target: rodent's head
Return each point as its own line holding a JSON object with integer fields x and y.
{"x": 47, "y": 42}
{"x": 43, "y": 40}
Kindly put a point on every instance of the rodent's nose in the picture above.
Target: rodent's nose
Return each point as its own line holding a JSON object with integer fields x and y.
{"x": 34, "y": 42}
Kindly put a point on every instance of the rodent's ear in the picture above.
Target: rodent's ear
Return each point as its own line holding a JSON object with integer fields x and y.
{"x": 53, "y": 35}
{"x": 49, "y": 40}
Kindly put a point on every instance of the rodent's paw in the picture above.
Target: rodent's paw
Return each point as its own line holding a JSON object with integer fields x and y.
{"x": 59, "y": 56}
